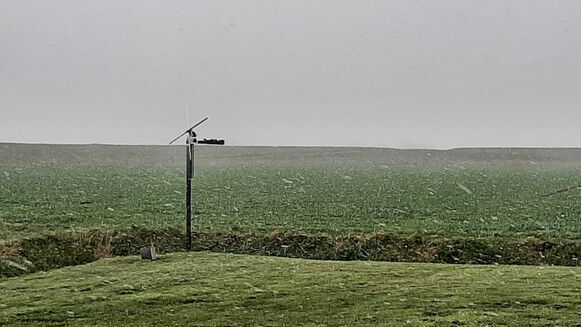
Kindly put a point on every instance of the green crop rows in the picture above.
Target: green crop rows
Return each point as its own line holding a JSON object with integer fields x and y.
{"x": 493, "y": 200}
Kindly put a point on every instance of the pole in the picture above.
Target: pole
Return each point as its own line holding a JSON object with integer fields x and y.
{"x": 190, "y": 141}
{"x": 189, "y": 172}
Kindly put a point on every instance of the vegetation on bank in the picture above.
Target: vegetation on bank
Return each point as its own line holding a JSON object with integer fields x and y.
{"x": 28, "y": 255}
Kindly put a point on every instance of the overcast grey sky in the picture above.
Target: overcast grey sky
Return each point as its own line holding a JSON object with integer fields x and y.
{"x": 410, "y": 74}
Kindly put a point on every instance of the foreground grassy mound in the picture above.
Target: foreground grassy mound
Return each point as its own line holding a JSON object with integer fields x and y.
{"x": 223, "y": 289}
{"x": 73, "y": 248}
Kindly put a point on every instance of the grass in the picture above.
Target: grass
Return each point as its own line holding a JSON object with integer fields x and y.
{"x": 447, "y": 200}
{"x": 208, "y": 289}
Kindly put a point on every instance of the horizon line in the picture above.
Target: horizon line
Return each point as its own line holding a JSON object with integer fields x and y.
{"x": 304, "y": 146}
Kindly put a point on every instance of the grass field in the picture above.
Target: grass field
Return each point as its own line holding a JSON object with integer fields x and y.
{"x": 444, "y": 200}
{"x": 207, "y": 289}
{"x": 491, "y": 202}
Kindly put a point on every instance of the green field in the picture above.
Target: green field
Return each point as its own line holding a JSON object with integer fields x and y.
{"x": 206, "y": 289}
{"x": 487, "y": 201}
{"x": 464, "y": 206}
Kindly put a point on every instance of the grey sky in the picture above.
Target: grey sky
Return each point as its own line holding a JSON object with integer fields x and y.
{"x": 434, "y": 74}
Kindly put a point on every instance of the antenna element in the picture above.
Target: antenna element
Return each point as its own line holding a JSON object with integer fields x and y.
{"x": 188, "y": 130}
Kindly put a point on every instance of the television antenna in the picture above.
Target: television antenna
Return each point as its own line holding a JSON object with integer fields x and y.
{"x": 190, "y": 141}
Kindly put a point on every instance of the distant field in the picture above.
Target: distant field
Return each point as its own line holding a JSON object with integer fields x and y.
{"x": 495, "y": 192}
{"x": 42, "y": 155}
{"x": 205, "y": 289}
